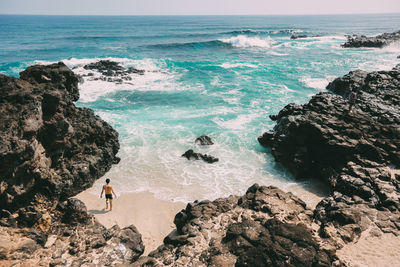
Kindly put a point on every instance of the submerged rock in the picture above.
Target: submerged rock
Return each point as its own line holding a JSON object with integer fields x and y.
{"x": 204, "y": 140}
{"x": 294, "y": 37}
{"x": 373, "y": 41}
{"x": 191, "y": 155}
{"x": 112, "y": 69}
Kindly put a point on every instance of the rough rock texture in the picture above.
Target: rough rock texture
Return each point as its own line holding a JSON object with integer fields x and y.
{"x": 265, "y": 227}
{"x": 191, "y": 155}
{"x": 353, "y": 153}
{"x": 49, "y": 147}
{"x": 75, "y": 240}
{"x": 375, "y": 41}
{"x": 51, "y": 150}
{"x": 111, "y": 71}
{"x": 204, "y": 140}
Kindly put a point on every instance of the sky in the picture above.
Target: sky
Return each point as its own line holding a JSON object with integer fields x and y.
{"x": 198, "y": 7}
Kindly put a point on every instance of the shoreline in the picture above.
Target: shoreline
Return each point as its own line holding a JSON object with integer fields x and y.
{"x": 152, "y": 217}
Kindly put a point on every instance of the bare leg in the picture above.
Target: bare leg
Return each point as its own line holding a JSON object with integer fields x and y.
{"x": 110, "y": 204}
{"x": 106, "y": 203}
{"x": 350, "y": 107}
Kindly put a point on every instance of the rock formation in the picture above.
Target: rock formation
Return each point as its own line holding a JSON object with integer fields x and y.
{"x": 111, "y": 71}
{"x": 294, "y": 36}
{"x": 265, "y": 227}
{"x": 48, "y": 146}
{"x": 191, "y": 155}
{"x": 374, "y": 41}
{"x": 204, "y": 140}
{"x": 51, "y": 150}
{"x": 355, "y": 153}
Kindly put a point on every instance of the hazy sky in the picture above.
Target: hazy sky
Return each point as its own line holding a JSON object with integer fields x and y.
{"x": 198, "y": 7}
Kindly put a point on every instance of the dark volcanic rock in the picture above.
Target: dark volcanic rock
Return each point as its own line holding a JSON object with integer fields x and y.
{"x": 265, "y": 227}
{"x": 191, "y": 155}
{"x": 204, "y": 140}
{"x": 84, "y": 244}
{"x": 48, "y": 146}
{"x": 375, "y": 41}
{"x": 104, "y": 66}
{"x": 51, "y": 150}
{"x": 353, "y": 153}
{"x": 112, "y": 69}
{"x": 274, "y": 243}
{"x": 294, "y": 37}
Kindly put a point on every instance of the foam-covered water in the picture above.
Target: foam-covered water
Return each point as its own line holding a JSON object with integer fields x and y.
{"x": 220, "y": 76}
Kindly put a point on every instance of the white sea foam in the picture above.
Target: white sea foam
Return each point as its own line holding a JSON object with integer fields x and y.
{"x": 306, "y": 43}
{"x": 244, "y": 41}
{"x": 274, "y": 53}
{"x": 287, "y": 88}
{"x": 157, "y": 77}
{"x": 316, "y": 83}
{"x": 237, "y": 65}
{"x": 392, "y": 48}
{"x": 239, "y": 123}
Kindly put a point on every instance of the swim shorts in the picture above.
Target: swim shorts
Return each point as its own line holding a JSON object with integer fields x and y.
{"x": 109, "y": 196}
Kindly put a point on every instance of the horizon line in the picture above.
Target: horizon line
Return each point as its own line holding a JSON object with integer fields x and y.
{"x": 131, "y": 15}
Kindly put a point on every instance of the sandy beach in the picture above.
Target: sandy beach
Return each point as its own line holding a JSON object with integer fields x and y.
{"x": 153, "y": 217}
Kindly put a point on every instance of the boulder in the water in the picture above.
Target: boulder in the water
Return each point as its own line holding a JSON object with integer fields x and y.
{"x": 191, "y": 155}
{"x": 204, "y": 140}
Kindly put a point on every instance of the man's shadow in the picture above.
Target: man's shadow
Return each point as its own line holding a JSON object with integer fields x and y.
{"x": 103, "y": 211}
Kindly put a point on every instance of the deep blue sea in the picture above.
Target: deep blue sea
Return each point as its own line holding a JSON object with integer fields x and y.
{"x": 215, "y": 75}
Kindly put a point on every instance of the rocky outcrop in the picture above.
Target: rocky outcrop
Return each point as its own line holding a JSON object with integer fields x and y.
{"x": 354, "y": 153}
{"x": 204, "y": 140}
{"x": 265, "y": 227}
{"x": 74, "y": 240}
{"x": 50, "y": 150}
{"x": 294, "y": 36}
{"x": 191, "y": 155}
{"x": 373, "y": 41}
{"x": 111, "y": 71}
{"x": 48, "y": 147}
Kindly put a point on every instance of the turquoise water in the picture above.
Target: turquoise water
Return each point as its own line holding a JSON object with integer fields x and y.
{"x": 215, "y": 75}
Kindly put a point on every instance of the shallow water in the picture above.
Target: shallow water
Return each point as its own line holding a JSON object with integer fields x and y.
{"x": 216, "y": 75}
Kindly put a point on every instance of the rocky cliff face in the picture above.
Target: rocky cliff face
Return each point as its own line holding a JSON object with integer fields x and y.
{"x": 48, "y": 146}
{"x": 51, "y": 150}
{"x": 373, "y": 41}
{"x": 356, "y": 153}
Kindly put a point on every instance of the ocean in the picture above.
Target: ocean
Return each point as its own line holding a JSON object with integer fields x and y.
{"x": 216, "y": 75}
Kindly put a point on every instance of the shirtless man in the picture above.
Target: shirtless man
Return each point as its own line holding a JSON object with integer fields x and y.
{"x": 352, "y": 99}
{"x": 108, "y": 189}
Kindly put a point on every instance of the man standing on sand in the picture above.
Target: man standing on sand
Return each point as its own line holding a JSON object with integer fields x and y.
{"x": 109, "y": 191}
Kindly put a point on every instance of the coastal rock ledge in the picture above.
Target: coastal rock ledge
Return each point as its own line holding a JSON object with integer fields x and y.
{"x": 379, "y": 41}
{"x": 50, "y": 150}
{"x": 356, "y": 154}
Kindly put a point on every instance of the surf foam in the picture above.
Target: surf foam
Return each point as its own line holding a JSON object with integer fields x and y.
{"x": 243, "y": 41}
{"x": 157, "y": 77}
